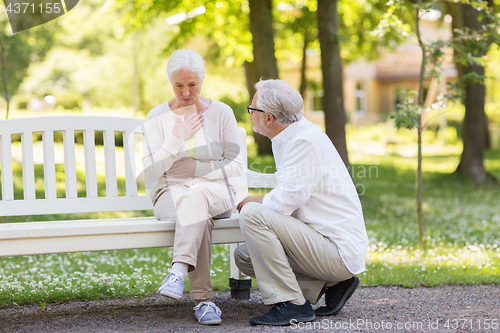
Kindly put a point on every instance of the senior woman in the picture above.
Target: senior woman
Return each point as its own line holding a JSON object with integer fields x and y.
{"x": 191, "y": 152}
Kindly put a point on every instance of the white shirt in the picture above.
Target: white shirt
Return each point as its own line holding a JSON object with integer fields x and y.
{"x": 314, "y": 186}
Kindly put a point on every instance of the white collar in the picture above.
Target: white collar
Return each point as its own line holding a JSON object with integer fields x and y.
{"x": 288, "y": 132}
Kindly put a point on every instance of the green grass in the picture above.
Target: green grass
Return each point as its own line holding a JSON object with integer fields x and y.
{"x": 456, "y": 212}
{"x": 462, "y": 222}
{"x": 94, "y": 275}
{"x": 404, "y": 266}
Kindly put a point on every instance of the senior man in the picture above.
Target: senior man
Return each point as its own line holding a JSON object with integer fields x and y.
{"x": 307, "y": 236}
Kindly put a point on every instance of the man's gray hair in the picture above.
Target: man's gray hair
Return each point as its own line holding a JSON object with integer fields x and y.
{"x": 186, "y": 59}
{"x": 281, "y": 100}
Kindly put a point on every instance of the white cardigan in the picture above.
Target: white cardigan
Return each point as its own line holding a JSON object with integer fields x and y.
{"x": 218, "y": 152}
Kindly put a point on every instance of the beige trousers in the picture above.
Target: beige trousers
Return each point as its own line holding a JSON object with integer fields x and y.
{"x": 193, "y": 242}
{"x": 290, "y": 260}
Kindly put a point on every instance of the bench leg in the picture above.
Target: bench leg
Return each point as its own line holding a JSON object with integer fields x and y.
{"x": 240, "y": 283}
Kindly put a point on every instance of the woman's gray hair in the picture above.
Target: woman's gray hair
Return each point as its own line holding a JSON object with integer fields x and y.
{"x": 281, "y": 100}
{"x": 186, "y": 59}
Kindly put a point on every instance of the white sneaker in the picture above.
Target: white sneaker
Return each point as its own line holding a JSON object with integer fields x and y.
{"x": 207, "y": 313}
{"x": 172, "y": 286}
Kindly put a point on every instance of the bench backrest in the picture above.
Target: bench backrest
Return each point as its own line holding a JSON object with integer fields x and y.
{"x": 71, "y": 203}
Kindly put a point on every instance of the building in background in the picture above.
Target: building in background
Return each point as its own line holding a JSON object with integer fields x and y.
{"x": 372, "y": 89}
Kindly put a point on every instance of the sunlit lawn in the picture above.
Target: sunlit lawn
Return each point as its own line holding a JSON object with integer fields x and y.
{"x": 462, "y": 223}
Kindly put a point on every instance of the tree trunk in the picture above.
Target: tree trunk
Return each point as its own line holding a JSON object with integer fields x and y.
{"x": 135, "y": 73}
{"x": 266, "y": 67}
{"x": 262, "y": 141}
{"x": 251, "y": 77}
{"x": 6, "y": 88}
{"x": 331, "y": 65}
{"x": 474, "y": 133}
{"x": 303, "y": 68}
{"x": 419, "y": 180}
{"x": 4, "y": 75}
{"x": 419, "y": 187}
{"x": 475, "y": 124}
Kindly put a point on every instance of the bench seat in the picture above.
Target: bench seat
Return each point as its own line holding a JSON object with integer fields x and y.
{"x": 29, "y": 238}
{"x": 45, "y": 237}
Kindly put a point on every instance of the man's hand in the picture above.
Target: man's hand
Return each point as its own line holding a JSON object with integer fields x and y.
{"x": 183, "y": 168}
{"x": 247, "y": 200}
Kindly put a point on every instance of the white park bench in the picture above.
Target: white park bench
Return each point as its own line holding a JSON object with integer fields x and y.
{"x": 30, "y": 238}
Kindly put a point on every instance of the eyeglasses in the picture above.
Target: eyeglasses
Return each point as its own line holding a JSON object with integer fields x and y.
{"x": 252, "y": 110}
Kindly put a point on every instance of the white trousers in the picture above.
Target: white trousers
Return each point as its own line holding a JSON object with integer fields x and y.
{"x": 193, "y": 242}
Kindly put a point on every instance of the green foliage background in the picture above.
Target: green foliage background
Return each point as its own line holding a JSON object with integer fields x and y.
{"x": 86, "y": 56}
{"x": 23, "y": 49}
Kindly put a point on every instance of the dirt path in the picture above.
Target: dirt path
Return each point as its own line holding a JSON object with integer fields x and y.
{"x": 380, "y": 309}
